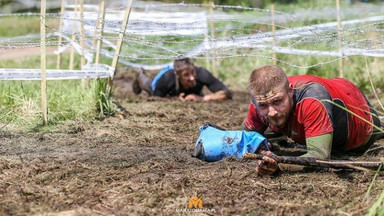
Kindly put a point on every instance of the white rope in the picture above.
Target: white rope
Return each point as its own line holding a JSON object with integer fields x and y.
{"x": 89, "y": 72}
{"x": 150, "y": 37}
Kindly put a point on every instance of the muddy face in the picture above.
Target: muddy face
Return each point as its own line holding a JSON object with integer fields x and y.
{"x": 276, "y": 106}
{"x": 187, "y": 77}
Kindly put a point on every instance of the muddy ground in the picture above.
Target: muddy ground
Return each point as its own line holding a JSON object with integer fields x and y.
{"x": 139, "y": 162}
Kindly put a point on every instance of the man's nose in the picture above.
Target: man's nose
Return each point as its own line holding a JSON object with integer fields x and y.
{"x": 191, "y": 77}
{"x": 271, "y": 111}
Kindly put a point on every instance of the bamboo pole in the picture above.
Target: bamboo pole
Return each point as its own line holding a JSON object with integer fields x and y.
{"x": 121, "y": 35}
{"x": 62, "y": 11}
{"x": 82, "y": 40}
{"x": 206, "y": 40}
{"x": 212, "y": 28}
{"x": 96, "y": 26}
{"x": 43, "y": 63}
{"x": 82, "y": 36}
{"x": 274, "y": 57}
{"x": 120, "y": 42}
{"x": 72, "y": 53}
{"x": 207, "y": 58}
{"x": 100, "y": 33}
{"x": 339, "y": 29}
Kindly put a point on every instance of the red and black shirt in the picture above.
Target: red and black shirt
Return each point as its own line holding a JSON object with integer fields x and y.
{"x": 322, "y": 106}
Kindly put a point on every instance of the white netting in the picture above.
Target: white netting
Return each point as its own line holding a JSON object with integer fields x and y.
{"x": 157, "y": 33}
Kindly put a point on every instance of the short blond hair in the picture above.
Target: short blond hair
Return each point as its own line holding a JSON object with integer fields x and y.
{"x": 267, "y": 78}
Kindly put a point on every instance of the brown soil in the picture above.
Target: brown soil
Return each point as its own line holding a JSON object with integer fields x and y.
{"x": 139, "y": 162}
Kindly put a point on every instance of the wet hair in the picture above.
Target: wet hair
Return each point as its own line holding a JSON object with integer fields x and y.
{"x": 267, "y": 78}
{"x": 182, "y": 64}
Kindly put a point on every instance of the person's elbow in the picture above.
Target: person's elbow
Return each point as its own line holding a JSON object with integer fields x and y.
{"x": 224, "y": 94}
{"x": 228, "y": 94}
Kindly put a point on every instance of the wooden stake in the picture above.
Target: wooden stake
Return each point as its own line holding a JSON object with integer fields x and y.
{"x": 274, "y": 58}
{"x": 96, "y": 26}
{"x": 72, "y": 54}
{"x": 82, "y": 40}
{"x": 339, "y": 29}
{"x": 100, "y": 33}
{"x": 207, "y": 58}
{"x": 121, "y": 35}
{"x": 206, "y": 40}
{"x": 82, "y": 36}
{"x": 43, "y": 63}
{"x": 120, "y": 43}
{"x": 212, "y": 28}
{"x": 62, "y": 11}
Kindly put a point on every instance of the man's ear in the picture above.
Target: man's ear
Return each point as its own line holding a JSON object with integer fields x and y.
{"x": 290, "y": 89}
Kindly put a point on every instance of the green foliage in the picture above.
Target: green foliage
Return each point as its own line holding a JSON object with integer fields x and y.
{"x": 104, "y": 105}
{"x": 20, "y": 102}
{"x": 4, "y": 2}
{"x": 25, "y": 25}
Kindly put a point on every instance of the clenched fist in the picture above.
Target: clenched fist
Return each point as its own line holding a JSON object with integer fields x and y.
{"x": 267, "y": 165}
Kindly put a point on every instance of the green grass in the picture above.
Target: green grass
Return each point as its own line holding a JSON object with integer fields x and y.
{"x": 23, "y": 25}
{"x": 20, "y": 101}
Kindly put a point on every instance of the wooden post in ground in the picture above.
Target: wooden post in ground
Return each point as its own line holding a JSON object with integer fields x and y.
{"x": 212, "y": 27}
{"x": 339, "y": 34}
{"x": 206, "y": 40}
{"x": 274, "y": 57}
{"x": 96, "y": 26}
{"x": 120, "y": 42}
{"x": 207, "y": 58}
{"x": 82, "y": 41}
{"x": 101, "y": 29}
{"x": 62, "y": 11}
{"x": 82, "y": 36}
{"x": 73, "y": 38}
{"x": 44, "y": 105}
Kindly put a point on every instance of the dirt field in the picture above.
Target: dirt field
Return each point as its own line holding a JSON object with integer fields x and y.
{"x": 139, "y": 162}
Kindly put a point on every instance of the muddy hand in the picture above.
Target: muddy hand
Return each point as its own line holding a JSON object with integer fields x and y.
{"x": 181, "y": 96}
{"x": 267, "y": 165}
{"x": 193, "y": 97}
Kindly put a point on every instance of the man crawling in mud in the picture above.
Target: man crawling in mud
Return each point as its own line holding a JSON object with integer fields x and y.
{"x": 325, "y": 115}
{"x": 183, "y": 81}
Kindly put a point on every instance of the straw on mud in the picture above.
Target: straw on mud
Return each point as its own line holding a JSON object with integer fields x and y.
{"x": 377, "y": 206}
{"x": 373, "y": 149}
{"x": 373, "y": 180}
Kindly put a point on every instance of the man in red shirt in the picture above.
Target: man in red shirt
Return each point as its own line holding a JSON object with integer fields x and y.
{"x": 325, "y": 115}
